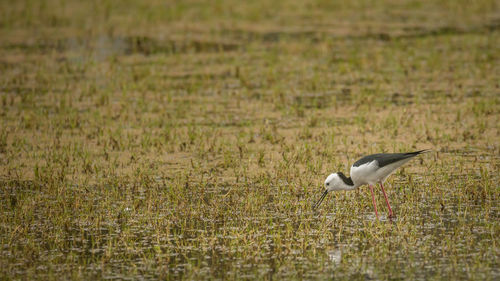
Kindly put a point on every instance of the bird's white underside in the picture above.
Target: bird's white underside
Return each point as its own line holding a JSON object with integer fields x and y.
{"x": 370, "y": 173}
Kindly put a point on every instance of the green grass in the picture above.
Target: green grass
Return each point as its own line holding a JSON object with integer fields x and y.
{"x": 188, "y": 140}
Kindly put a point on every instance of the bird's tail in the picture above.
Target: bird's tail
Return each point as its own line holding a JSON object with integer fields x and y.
{"x": 420, "y": 151}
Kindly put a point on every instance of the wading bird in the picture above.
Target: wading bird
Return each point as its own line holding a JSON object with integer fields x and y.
{"x": 370, "y": 170}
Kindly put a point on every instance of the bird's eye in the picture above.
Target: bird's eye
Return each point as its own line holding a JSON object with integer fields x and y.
{"x": 327, "y": 183}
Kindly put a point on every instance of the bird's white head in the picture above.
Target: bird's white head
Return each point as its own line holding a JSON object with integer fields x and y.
{"x": 333, "y": 182}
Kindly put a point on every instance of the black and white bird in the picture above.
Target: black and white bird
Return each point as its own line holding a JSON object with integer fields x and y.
{"x": 370, "y": 170}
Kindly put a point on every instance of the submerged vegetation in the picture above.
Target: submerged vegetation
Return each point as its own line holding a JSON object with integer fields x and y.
{"x": 189, "y": 139}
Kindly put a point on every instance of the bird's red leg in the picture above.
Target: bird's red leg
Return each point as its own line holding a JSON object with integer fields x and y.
{"x": 373, "y": 199}
{"x": 386, "y": 200}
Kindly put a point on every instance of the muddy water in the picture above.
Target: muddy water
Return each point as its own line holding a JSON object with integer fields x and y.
{"x": 467, "y": 230}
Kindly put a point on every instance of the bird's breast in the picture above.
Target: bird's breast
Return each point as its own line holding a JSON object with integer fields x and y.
{"x": 363, "y": 174}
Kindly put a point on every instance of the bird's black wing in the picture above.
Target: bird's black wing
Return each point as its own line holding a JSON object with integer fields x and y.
{"x": 385, "y": 159}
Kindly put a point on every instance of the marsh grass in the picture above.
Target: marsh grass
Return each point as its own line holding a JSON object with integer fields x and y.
{"x": 189, "y": 140}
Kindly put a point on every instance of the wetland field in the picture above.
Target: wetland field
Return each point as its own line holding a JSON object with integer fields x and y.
{"x": 144, "y": 140}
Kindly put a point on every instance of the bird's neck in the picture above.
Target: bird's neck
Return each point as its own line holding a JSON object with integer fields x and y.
{"x": 347, "y": 183}
{"x": 347, "y": 186}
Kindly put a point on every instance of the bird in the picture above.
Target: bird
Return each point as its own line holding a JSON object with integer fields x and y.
{"x": 370, "y": 170}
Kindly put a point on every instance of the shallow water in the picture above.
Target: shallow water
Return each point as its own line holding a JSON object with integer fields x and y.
{"x": 420, "y": 252}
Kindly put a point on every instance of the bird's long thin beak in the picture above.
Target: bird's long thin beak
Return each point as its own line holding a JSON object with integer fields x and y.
{"x": 316, "y": 205}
